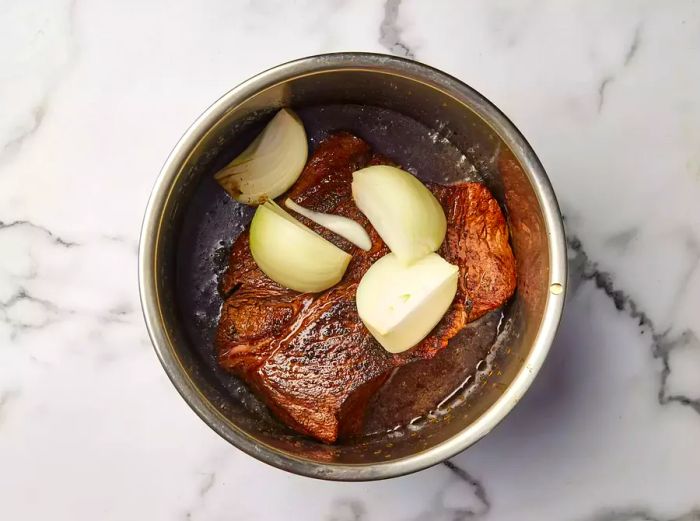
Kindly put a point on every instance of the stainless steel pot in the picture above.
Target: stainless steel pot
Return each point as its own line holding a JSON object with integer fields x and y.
{"x": 508, "y": 166}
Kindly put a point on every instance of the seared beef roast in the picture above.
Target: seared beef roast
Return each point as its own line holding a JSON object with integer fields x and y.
{"x": 308, "y": 356}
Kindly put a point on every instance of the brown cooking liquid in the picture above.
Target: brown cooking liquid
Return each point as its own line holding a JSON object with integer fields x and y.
{"x": 213, "y": 221}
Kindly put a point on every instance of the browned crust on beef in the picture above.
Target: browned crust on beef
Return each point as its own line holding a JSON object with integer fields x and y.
{"x": 308, "y": 356}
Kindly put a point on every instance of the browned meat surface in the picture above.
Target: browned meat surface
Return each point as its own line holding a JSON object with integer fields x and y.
{"x": 477, "y": 241}
{"x": 308, "y": 356}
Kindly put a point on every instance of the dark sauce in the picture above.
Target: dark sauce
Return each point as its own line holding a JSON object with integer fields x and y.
{"x": 414, "y": 393}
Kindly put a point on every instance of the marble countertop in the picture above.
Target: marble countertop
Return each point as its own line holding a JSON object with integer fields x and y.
{"x": 93, "y": 95}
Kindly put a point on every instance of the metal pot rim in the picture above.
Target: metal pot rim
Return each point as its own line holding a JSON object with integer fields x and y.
{"x": 388, "y": 65}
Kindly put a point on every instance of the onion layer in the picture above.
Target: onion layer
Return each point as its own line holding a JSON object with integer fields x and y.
{"x": 346, "y": 228}
{"x": 293, "y": 255}
{"x": 401, "y": 304}
{"x": 403, "y": 211}
{"x": 271, "y": 163}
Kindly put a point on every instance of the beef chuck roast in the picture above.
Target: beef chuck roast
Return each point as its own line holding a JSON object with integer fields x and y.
{"x": 308, "y": 356}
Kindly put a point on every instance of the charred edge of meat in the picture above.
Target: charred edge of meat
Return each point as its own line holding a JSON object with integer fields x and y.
{"x": 226, "y": 294}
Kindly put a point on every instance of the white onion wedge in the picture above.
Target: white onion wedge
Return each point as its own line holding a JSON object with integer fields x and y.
{"x": 346, "y": 228}
{"x": 271, "y": 163}
{"x": 401, "y": 304}
{"x": 293, "y": 255}
{"x": 403, "y": 211}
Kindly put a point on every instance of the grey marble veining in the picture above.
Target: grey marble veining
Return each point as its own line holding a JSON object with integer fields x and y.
{"x": 390, "y": 32}
{"x": 94, "y": 94}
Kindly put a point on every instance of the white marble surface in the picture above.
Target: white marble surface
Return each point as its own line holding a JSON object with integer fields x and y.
{"x": 93, "y": 94}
